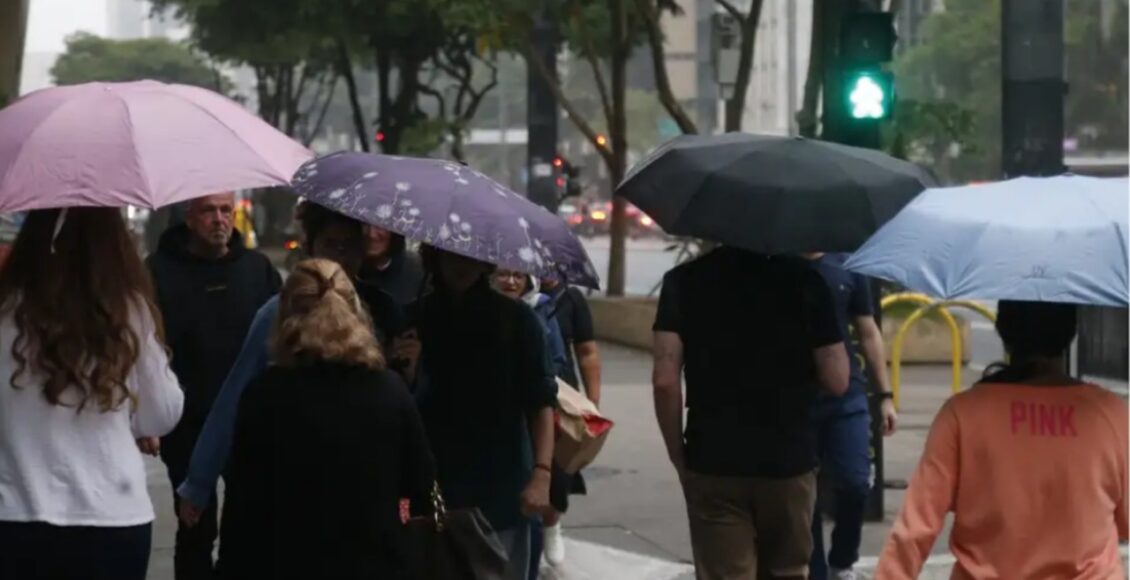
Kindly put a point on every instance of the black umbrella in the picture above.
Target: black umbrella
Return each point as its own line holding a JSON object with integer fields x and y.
{"x": 772, "y": 194}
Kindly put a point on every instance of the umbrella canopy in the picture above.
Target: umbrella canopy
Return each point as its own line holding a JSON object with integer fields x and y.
{"x": 144, "y": 143}
{"x": 1050, "y": 239}
{"x": 449, "y": 206}
{"x": 772, "y": 194}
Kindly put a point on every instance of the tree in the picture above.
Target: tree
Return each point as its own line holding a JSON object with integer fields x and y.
{"x": 90, "y": 58}
{"x": 652, "y": 13}
{"x": 958, "y": 67}
{"x": 599, "y": 33}
{"x": 747, "y": 24}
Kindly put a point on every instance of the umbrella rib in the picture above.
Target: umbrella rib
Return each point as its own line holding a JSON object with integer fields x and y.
{"x": 142, "y": 173}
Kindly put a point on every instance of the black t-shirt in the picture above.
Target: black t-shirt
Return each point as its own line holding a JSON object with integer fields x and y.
{"x": 749, "y": 324}
{"x": 575, "y": 319}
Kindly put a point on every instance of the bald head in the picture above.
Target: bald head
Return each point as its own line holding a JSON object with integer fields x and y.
{"x": 210, "y": 221}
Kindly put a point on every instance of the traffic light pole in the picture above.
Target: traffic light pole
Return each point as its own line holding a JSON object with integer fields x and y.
{"x": 1032, "y": 87}
{"x": 542, "y": 119}
{"x": 839, "y": 127}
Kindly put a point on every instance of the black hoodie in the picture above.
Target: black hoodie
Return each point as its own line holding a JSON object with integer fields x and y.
{"x": 207, "y": 305}
{"x": 400, "y": 278}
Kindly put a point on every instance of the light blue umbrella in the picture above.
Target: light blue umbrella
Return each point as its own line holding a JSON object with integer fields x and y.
{"x": 1047, "y": 239}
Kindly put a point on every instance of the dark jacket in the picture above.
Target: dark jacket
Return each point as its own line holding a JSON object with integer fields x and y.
{"x": 207, "y": 306}
{"x": 484, "y": 371}
{"x": 321, "y": 456}
{"x": 401, "y": 278}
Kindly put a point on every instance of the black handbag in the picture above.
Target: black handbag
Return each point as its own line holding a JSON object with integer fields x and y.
{"x": 454, "y": 545}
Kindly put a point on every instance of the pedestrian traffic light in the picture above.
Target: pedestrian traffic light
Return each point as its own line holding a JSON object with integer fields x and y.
{"x": 869, "y": 93}
{"x": 866, "y": 44}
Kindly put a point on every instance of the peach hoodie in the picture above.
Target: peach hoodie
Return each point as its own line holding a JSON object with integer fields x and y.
{"x": 1037, "y": 479}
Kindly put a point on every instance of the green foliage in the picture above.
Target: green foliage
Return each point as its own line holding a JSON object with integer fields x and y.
{"x": 949, "y": 86}
{"x": 91, "y": 58}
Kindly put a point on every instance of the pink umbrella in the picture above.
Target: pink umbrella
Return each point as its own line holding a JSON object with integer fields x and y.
{"x": 144, "y": 143}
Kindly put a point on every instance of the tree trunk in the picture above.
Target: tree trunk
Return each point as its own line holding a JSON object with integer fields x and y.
{"x": 345, "y": 67}
{"x": 735, "y": 106}
{"x": 384, "y": 92}
{"x": 807, "y": 121}
{"x": 13, "y": 25}
{"x": 667, "y": 98}
{"x": 618, "y": 133}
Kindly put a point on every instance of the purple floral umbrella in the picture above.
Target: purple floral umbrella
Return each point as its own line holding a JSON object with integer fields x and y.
{"x": 449, "y": 206}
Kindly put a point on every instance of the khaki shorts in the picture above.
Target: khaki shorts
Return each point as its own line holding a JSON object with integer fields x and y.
{"x": 748, "y": 528}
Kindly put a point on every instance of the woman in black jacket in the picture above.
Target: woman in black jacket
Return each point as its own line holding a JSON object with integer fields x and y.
{"x": 327, "y": 443}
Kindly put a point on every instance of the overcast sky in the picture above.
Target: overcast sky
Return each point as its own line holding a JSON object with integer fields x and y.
{"x": 51, "y": 21}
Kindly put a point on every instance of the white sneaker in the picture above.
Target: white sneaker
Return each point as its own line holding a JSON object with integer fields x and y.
{"x": 554, "y": 545}
{"x": 835, "y": 574}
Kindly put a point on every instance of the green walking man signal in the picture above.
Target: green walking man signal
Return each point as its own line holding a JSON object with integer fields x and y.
{"x": 870, "y": 94}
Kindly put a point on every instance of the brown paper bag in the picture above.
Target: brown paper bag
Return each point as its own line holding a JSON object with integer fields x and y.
{"x": 581, "y": 429}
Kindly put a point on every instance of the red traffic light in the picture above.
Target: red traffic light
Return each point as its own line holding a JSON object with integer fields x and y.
{"x": 560, "y": 182}
{"x": 558, "y": 162}
{"x": 380, "y": 136}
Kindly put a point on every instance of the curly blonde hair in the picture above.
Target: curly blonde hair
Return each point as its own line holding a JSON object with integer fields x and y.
{"x": 322, "y": 319}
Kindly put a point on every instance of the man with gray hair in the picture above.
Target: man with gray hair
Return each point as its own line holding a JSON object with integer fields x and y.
{"x": 209, "y": 287}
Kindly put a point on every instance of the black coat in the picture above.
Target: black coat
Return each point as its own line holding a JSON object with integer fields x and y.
{"x": 320, "y": 459}
{"x": 401, "y": 279}
{"x": 207, "y": 306}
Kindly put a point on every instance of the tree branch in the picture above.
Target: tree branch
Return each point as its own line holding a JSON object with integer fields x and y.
{"x": 345, "y": 68}
{"x": 322, "y": 114}
{"x": 566, "y": 103}
{"x": 729, "y": 7}
{"x": 659, "y": 62}
{"x": 598, "y": 77}
{"x": 438, "y": 96}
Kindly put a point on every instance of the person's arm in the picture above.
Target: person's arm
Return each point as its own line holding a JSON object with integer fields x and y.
{"x": 539, "y": 399}
{"x": 214, "y": 444}
{"x": 930, "y": 496}
{"x": 160, "y": 400}
{"x": 667, "y": 369}
{"x": 862, "y": 312}
{"x": 588, "y": 359}
{"x": 875, "y": 355}
{"x": 667, "y": 384}
{"x": 584, "y": 345}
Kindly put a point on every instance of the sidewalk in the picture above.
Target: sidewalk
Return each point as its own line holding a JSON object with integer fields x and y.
{"x": 632, "y": 525}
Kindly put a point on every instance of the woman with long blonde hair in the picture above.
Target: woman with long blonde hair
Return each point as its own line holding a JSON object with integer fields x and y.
{"x": 327, "y": 442}
{"x": 83, "y": 374}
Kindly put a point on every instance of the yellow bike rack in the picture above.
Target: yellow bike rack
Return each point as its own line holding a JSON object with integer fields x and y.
{"x": 928, "y": 305}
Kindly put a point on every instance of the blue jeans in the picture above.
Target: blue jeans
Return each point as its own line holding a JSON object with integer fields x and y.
{"x": 844, "y": 445}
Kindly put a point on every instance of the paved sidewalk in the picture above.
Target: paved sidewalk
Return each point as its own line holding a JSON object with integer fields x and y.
{"x": 632, "y": 525}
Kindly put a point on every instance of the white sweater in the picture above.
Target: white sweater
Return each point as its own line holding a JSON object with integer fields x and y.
{"x": 82, "y": 469}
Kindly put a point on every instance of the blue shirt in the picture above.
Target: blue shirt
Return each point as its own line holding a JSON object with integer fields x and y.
{"x": 214, "y": 444}
{"x": 553, "y": 340}
{"x": 851, "y": 293}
